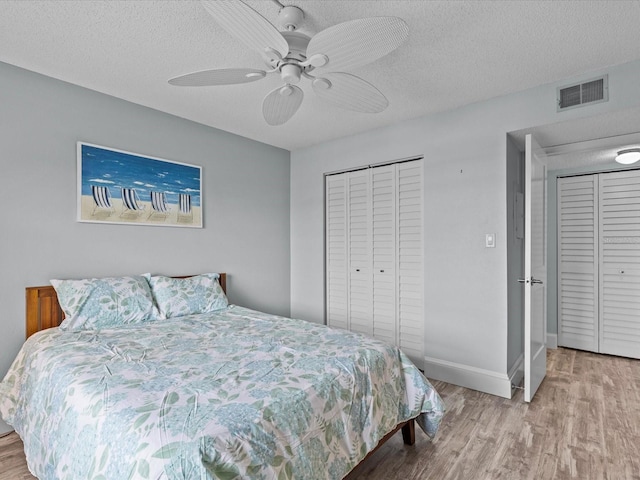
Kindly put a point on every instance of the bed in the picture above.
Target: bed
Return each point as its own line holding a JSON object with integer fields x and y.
{"x": 221, "y": 394}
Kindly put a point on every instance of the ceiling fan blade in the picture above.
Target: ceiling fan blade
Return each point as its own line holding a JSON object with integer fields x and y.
{"x": 281, "y": 104}
{"x": 223, "y": 76}
{"x": 358, "y": 42}
{"x": 247, "y": 25}
{"x": 350, "y": 92}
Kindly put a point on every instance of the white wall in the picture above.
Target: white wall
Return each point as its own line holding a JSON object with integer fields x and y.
{"x": 245, "y": 189}
{"x": 466, "y": 181}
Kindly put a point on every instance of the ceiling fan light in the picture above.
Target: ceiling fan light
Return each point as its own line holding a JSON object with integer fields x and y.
{"x": 290, "y": 73}
{"x": 628, "y": 156}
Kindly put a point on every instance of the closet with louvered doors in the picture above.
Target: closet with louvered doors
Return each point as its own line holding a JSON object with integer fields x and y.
{"x": 599, "y": 263}
{"x": 374, "y": 254}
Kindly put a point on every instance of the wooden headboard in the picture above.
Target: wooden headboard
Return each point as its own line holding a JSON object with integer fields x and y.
{"x": 43, "y": 309}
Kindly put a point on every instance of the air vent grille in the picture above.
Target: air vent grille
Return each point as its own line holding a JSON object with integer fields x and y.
{"x": 589, "y": 92}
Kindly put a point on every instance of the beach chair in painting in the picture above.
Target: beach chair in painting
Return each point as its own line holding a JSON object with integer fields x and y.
{"x": 158, "y": 204}
{"x": 101, "y": 199}
{"x": 184, "y": 207}
{"x": 130, "y": 202}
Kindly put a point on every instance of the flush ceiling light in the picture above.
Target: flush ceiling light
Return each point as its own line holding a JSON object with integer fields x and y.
{"x": 628, "y": 156}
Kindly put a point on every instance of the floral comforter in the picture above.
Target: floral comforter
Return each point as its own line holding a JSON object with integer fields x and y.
{"x": 230, "y": 394}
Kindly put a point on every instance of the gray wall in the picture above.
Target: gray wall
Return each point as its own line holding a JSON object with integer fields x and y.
{"x": 245, "y": 189}
{"x": 466, "y": 285}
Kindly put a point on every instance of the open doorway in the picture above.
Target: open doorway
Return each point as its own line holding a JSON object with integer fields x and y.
{"x": 577, "y": 147}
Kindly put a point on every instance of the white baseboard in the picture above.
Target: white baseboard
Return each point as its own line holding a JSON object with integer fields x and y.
{"x": 486, "y": 381}
{"x": 552, "y": 340}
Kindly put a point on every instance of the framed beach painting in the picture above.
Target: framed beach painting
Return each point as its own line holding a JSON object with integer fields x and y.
{"x": 115, "y": 186}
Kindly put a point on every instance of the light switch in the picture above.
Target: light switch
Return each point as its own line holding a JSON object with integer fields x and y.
{"x": 490, "y": 240}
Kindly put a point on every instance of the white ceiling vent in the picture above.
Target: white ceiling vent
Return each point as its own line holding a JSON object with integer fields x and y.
{"x": 592, "y": 91}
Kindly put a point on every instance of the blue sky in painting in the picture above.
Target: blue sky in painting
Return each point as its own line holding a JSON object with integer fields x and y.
{"x": 118, "y": 170}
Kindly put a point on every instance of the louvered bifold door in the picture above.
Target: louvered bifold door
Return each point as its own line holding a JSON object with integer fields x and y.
{"x": 578, "y": 262}
{"x": 360, "y": 289}
{"x": 383, "y": 197}
{"x": 620, "y": 263}
{"x": 336, "y": 251}
{"x": 410, "y": 273}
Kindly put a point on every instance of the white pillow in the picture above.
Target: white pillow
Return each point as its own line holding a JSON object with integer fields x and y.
{"x": 95, "y": 303}
{"x": 176, "y": 297}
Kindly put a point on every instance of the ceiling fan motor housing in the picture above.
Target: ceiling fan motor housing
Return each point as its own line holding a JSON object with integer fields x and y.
{"x": 298, "y": 43}
{"x": 290, "y": 70}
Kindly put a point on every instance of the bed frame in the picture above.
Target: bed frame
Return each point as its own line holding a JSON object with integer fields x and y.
{"x": 43, "y": 311}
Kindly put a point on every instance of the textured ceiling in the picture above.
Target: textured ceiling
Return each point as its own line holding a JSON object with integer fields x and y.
{"x": 458, "y": 52}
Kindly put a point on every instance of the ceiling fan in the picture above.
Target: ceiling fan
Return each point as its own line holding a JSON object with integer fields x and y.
{"x": 294, "y": 55}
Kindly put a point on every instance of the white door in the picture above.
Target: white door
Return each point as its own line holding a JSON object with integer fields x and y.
{"x": 383, "y": 194}
{"x": 337, "y": 258}
{"x": 359, "y": 236}
{"x": 535, "y": 269}
{"x": 374, "y": 254}
{"x": 578, "y": 304}
{"x": 619, "y": 222}
{"x": 409, "y": 234}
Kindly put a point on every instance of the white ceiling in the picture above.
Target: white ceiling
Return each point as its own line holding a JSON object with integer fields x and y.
{"x": 458, "y": 52}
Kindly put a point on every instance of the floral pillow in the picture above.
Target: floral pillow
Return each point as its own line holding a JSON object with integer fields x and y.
{"x": 95, "y": 303}
{"x": 176, "y": 297}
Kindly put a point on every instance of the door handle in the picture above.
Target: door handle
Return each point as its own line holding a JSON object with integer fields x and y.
{"x": 533, "y": 280}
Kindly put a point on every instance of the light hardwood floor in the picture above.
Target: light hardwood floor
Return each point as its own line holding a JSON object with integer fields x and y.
{"x": 584, "y": 423}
